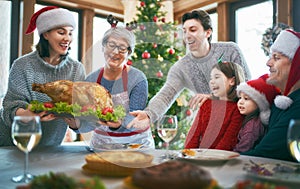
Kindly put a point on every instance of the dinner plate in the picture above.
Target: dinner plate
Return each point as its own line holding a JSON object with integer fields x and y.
{"x": 209, "y": 155}
{"x": 276, "y": 172}
{"x": 118, "y": 147}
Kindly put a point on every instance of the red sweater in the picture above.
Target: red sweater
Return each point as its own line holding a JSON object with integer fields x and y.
{"x": 222, "y": 122}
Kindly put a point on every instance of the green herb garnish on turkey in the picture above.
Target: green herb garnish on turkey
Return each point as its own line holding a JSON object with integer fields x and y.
{"x": 64, "y": 109}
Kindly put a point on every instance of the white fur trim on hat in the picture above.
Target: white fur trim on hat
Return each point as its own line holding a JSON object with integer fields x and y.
{"x": 286, "y": 43}
{"x": 283, "y": 102}
{"x": 54, "y": 18}
{"x": 259, "y": 98}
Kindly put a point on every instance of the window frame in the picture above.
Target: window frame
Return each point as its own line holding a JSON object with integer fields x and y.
{"x": 241, "y": 4}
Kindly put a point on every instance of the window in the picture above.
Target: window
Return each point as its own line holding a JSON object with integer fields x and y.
{"x": 214, "y": 20}
{"x": 5, "y": 8}
{"x": 74, "y": 46}
{"x": 251, "y": 21}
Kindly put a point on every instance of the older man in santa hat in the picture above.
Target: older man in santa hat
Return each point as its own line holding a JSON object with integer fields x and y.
{"x": 284, "y": 73}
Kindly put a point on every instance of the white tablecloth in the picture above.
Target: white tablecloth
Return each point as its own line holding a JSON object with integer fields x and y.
{"x": 69, "y": 159}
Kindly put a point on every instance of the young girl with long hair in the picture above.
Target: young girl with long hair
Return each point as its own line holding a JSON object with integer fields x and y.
{"x": 218, "y": 120}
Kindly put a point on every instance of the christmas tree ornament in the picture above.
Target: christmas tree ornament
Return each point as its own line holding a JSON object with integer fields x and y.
{"x": 163, "y": 20}
{"x": 171, "y": 51}
{"x": 160, "y": 58}
{"x": 155, "y": 18}
{"x": 142, "y": 4}
{"x": 129, "y": 62}
{"x": 135, "y": 55}
{"x": 188, "y": 112}
{"x": 154, "y": 45}
{"x": 146, "y": 55}
{"x": 159, "y": 74}
{"x": 175, "y": 34}
{"x": 170, "y": 120}
{"x": 152, "y": 5}
{"x": 142, "y": 27}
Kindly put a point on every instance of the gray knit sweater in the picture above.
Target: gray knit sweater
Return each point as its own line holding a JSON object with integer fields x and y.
{"x": 28, "y": 69}
{"x": 193, "y": 74}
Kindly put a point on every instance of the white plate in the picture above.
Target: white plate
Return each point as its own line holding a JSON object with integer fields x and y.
{"x": 276, "y": 172}
{"x": 210, "y": 155}
{"x": 119, "y": 147}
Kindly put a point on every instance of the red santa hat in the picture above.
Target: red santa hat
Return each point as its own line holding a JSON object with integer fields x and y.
{"x": 262, "y": 93}
{"x": 288, "y": 43}
{"x": 49, "y": 18}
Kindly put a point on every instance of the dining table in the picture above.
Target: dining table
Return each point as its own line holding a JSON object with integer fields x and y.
{"x": 69, "y": 159}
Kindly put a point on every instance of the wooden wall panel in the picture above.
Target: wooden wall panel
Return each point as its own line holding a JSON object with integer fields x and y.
{"x": 183, "y": 6}
{"x": 27, "y": 39}
{"x": 284, "y": 10}
{"x": 223, "y": 21}
{"x": 87, "y": 39}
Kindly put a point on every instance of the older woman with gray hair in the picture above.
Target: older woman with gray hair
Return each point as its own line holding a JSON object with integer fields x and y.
{"x": 128, "y": 87}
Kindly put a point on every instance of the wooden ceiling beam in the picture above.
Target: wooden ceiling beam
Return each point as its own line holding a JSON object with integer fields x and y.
{"x": 114, "y": 6}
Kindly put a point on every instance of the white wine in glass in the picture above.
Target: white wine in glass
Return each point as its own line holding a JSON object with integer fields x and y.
{"x": 167, "y": 130}
{"x": 26, "y": 133}
{"x": 293, "y": 138}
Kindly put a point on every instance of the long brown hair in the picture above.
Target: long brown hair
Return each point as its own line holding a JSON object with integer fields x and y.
{"x": 43, "y": 48}
{"x": 231, "y": 70}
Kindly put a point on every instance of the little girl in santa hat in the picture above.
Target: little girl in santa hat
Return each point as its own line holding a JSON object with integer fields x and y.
{"x": 255, "y": 99}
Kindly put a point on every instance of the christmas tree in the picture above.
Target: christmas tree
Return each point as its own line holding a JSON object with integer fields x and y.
{"x": 158, "y": 47}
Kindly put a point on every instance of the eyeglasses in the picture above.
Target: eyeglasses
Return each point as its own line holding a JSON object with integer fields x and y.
{"x": 122, "y": 48}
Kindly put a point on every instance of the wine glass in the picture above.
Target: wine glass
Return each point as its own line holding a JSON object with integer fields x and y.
{"x": 26, "y": 133}
{"x": 293, "y": 138}
{"x": 167, "y": 130}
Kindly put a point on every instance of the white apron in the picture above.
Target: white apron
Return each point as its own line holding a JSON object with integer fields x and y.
{"x": 104, "y": 135}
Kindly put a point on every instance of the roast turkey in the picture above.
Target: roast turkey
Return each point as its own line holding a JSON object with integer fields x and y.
{"x": 82, "y": 93}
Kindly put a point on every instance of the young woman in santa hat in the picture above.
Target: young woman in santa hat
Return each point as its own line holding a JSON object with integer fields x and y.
{"x": 255, "y": 99}
{"x": 49, "y": 62}
{"x": 284, "y": 65}
{"x": 218, "y": 120}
